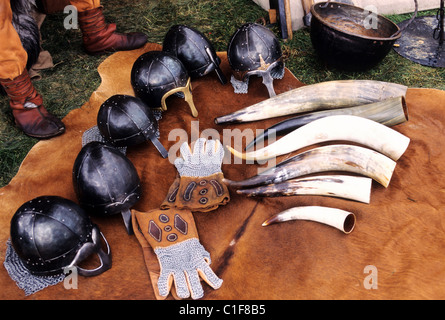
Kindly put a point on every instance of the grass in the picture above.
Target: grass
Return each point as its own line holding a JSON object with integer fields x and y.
{"x": 69, "y": 84}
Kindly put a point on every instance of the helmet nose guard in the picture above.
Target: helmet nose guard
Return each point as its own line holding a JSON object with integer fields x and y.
{"x": 106, "y": 182}
{"x": 50, "y": 234}
{"x": 125, "y": 120}
{"x": 194, "y": 50}
{"x": 186, "y": 92}
{"x": 254, "y": 50}
{"x": 155, "y": 75}
{"x": 91, "y": 248}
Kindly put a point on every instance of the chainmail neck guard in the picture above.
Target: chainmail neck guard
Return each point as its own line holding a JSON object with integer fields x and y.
{"x": 22, "y": 277}
{"x": 242, "y": 87}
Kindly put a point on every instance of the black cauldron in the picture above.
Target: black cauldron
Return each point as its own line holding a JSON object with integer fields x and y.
{"x": 346, "y": 37}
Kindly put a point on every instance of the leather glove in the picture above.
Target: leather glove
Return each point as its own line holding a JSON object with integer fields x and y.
{"x": 173, "y": 237}
{"x": 198, "y": 186}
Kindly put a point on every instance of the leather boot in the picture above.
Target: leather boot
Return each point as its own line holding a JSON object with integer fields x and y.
{"x": 100, "y": 37}
{"x": 28, "y": 110}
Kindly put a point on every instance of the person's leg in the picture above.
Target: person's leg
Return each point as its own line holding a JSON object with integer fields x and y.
{"x": 84, "y": 5}
{"x": 26, "y": 103}
{"x": 12, "y": 55}
{"x": 98, "y": 36}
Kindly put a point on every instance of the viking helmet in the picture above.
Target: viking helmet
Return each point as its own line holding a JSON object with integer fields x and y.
{"x": 51, "y": 233}
{"x": 125, "y": 120}
{"x": 194, "y": 50}
{"x": 156, "y": 75}
{"x": 254, "y": 49}
{"x": 105, "y": 181}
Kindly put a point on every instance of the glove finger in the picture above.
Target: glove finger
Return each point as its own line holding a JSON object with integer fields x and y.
{"x": 195, "y": 284}
{"x": 215, "y": 151}
{"x": 209, "y": 276}
{"x": 210, "y": 148}
{"x": 181, "y": 285}
{"x": 179, "y": 163}
{"x": 218, "y": 144}
{"x": 185, "y": 151}
{"x": 199, "y": 146}
{"x": 164, "y": 283}
{"x": 219, "y": 149}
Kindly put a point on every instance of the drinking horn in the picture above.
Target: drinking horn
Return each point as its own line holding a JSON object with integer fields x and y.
{"x": 347, "y": 158}
{"x": 389, "y": 112}
{"x": 334, "y": 128}
{"x": 339, "y": 186}
{"x": 320, "y": 96}
{"x": 337, "y": 218}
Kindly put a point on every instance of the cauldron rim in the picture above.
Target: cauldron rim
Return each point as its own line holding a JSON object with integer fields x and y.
{"x": 332, "y": 26}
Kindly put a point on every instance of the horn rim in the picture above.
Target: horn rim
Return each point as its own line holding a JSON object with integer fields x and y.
{"x": 337, "y": 218}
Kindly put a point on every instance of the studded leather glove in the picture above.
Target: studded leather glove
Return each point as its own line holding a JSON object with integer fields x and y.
{"x": 199, "y": 185}
{"x": 173, "y": 237}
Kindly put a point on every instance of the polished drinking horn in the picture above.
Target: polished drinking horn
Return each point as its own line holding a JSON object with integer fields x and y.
{"x": 334, "y": 128}
{"x": 340, "y": 219}
{"x": 346, "y": 158}
{"x": 389, "y": 112}
{"x": 320, "y": 96}
{"x": 355, "y": 188}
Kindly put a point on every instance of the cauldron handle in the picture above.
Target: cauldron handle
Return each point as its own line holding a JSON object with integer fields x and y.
{"x": 325, "y": 5}
{"x": 409, "y": 22}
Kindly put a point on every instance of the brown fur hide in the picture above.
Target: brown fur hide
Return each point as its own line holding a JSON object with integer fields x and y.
{"x": 401, "y": 232}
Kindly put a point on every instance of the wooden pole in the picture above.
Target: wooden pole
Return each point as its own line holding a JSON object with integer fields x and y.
{"x": 288, "y": 19}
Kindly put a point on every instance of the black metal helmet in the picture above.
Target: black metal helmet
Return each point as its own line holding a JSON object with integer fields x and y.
{"x": 254, "y": 49}
{"x": 105, "y": 181}
{"x": 51, "y": 233}
{"x": 194, "y": 50}
{"x": 125, "y": 121}
{"x": 156, "y": 75}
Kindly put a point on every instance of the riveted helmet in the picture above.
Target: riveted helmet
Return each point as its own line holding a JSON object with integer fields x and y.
{"x": 156, "y": 75}
{"x": 254, "y": 49}
{"x": 105, "y": 181}
{"x": 125, "y": 121}
{"x": 194, "y": 50}
{"x": 51, "y": 233}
